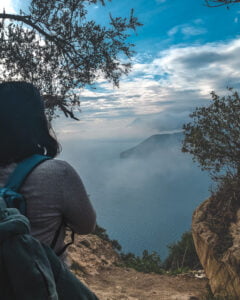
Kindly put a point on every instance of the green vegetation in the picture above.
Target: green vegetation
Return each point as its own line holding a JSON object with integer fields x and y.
{"x": 182, "y": 256}
{"x": 213, "y": 138}
{"x": 102, "y": 233}
{"x": 147, "y": 263}
{"x": 221, "y": 211}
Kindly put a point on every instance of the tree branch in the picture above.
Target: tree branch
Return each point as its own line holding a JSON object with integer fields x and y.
{"x": 56, "y": 40}
{"x": 209, "y": 3}
{"x": 75, "y": 50}
{"x": 26, "y": 20}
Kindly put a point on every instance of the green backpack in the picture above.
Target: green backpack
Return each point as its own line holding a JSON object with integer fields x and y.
{"x": 30, "y": 270}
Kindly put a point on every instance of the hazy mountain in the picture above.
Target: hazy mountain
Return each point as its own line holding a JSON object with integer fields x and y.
{"x": 145, "y": 201}
{"x": 152, "y": 144}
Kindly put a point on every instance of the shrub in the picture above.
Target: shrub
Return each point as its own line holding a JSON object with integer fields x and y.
{"x": 147, "y": 263}
{"x": 182, "y": 255}
{"x": 221, "y": 211}
{"x": 212, "y": 136}
{"x": 102, "y": 233}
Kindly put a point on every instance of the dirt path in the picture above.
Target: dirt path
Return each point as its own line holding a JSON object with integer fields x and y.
{"x": 94, "y": 262}
{"x": 120, "y": 283}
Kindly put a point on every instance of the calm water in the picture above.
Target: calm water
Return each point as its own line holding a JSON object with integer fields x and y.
{"x": 143, "y": 203}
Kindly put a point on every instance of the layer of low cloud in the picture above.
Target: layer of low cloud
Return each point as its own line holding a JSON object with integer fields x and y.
{"x": 144, "y": 202}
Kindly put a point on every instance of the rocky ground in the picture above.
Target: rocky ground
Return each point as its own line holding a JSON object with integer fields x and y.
{"x": 97, "y": 265}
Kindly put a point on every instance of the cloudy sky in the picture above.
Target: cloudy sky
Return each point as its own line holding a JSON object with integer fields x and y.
{"x": 184, "y": 50}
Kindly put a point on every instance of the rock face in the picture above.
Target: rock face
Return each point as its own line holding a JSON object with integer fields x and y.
{"x": 224, "y": 272}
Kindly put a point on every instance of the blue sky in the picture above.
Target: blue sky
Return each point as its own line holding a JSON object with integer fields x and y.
{"x": 184, "y": 50}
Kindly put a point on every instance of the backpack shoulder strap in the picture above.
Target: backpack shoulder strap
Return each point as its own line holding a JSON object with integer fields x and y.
{"x": 17, "y": 178}
{"x": 23, "y": 169}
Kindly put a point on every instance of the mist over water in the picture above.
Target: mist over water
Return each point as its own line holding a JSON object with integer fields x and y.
{"x": 144, "y": 203}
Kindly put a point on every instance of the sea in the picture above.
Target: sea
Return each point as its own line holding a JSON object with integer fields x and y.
{"x": 143, "y": 202}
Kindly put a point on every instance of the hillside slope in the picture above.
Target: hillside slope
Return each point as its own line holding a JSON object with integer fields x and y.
{"x": 153, "y": 143}
{"x": 95, "y": 263}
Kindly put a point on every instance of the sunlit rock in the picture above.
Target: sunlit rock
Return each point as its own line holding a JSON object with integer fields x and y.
{"x": 222, "y": 271}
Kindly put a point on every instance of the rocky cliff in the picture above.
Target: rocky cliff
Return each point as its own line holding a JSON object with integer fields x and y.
{"x": 96, "y": 263}
{"x": 219, "y": 252}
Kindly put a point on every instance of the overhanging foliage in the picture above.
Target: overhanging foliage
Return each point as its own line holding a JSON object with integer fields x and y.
{"x": 56, "y": 47}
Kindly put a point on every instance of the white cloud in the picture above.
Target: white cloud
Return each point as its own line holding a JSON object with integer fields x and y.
{"x": 173, "y": 30}
{"x": 187, "y": 30}
{"x": 198, "y": 21}
{"x": 191, "y": 31}
{"x": 201, "y": 67}
{"x": 179, "y": 78}
{"x": 8, "y": 6}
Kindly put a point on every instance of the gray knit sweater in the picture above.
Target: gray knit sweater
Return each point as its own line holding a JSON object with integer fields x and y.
{"x": 54, "y": 192}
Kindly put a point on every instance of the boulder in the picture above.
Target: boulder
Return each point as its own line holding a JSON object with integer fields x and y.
{"x": 223, "y": 271}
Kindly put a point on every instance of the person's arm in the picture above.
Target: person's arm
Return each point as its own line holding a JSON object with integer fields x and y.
{"x": 78, "y": 212}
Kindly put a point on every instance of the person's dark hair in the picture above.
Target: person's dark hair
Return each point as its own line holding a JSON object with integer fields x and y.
{"x": 24, "y": 129}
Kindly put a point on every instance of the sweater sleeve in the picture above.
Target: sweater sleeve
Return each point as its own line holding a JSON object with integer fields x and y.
{"x": 77, "y": 210}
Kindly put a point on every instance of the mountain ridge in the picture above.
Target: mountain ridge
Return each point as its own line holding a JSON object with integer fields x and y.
{"x": 152, "y": 144}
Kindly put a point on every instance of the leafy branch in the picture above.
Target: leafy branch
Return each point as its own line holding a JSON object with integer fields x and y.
{"x": 55, "y": 46}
